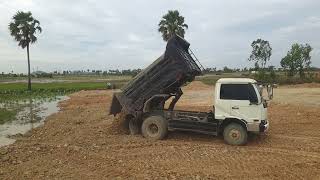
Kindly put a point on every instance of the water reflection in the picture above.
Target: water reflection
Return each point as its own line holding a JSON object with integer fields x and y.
{"x": 31, "y": 114}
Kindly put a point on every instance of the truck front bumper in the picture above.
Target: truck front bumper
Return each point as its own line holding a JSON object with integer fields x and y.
{"x": 263, "y": 126}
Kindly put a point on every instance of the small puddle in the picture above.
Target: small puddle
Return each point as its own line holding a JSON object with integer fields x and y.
{"x": 32, "y": 115}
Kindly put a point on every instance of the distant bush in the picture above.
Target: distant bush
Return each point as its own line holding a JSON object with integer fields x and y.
{"x": 44, "y": 75}
{"x": 266, "y": 77}
{"x": 273, "y": 77}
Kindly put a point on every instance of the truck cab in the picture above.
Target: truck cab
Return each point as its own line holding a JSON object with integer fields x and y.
{"x": 240, "y": 99}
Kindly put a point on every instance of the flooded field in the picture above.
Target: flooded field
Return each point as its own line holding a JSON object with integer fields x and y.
{"x": 31, "y": 113}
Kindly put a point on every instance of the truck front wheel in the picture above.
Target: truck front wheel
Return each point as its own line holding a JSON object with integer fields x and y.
{"x": 154, "y": 128}
{"x": 235, "y": 134}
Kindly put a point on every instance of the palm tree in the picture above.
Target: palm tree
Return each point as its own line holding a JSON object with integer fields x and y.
{"x": 23, "y": 28}
{"x": 172, "y": 23}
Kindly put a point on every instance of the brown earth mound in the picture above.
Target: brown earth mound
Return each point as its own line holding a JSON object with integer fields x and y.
{"x": 118, "y": 124}
{"x": 79, "y": 142}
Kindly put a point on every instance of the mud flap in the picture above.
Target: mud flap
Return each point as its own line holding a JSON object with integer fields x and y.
{"x": 115, "y": 107}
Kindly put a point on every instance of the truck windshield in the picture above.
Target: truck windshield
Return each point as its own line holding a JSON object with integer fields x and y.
{"x": 239, "y": 92}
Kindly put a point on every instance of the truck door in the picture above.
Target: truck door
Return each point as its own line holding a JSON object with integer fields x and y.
{"x": 243, "y": 101}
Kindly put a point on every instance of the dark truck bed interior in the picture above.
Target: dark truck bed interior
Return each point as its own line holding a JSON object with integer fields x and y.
{"x": 164, "y": 76}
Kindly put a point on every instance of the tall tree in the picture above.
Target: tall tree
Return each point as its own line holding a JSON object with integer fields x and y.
{"x": 172, "y": 23}
{"x": 23, "y": 28}
{"x": 297, "y": 59}
{"x": 261, "y": 52}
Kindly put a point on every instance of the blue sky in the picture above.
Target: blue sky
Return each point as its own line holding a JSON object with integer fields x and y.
{"x": 115, "y": 34}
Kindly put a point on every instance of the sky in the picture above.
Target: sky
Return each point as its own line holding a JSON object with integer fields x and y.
{"x": 118, "y": 34}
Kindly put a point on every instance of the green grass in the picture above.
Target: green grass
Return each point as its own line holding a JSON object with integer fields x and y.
{"x": 14, "y": 95}
{"x": 18, "y": 91}
{"x": 7, "y": 115}
{"x": 58, "y": 85}
{"x": 51, "y": 86}
{"x": 75, "y": 78}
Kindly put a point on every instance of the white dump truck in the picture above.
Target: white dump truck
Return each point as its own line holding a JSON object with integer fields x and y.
{"x": 239, "y": 106}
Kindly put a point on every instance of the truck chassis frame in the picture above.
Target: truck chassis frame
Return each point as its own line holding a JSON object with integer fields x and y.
{"x": 201, "y": 122}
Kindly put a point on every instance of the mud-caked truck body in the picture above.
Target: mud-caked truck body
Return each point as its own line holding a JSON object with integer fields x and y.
{"x": 239, "y": 107}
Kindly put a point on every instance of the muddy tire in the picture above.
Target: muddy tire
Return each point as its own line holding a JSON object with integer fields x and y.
{"x": 235, "y": 134}
{"x": 134, "y": 127}
{"x": 154, "y": 128}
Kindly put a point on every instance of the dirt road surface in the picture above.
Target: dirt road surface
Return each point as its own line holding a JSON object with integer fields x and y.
{"x": 81, "y": 142}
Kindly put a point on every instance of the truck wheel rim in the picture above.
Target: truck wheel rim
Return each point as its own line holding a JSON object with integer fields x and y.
{"x": 153, "y": 129}
{"x": 235, "y": 134}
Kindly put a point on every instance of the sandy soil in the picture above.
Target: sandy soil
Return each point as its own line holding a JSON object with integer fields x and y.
{"x": 308, "y": 95}
{"x": 79, "y": 143}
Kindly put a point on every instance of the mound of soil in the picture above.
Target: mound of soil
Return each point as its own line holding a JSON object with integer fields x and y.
{"x": 119, "y": 125}
{"x": 83, "y": 142}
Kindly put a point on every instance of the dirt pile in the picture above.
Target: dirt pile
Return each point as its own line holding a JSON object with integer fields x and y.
{"x": 119, "y": 125}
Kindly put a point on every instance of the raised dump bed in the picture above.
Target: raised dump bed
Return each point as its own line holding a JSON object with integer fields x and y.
{"x": 164, "y": 76}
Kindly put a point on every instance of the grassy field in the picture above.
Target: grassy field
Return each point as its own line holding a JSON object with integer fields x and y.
{"x": 17, "y": 91}
{"x": 53, "y": 87}
{"x": 73, "y": 78}
{"x": 12, "y": 94}
{"x": 7, "y": 115}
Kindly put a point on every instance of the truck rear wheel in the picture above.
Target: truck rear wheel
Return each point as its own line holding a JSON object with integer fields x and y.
{"x": 235, "y": 134}
{"x": 134, "y": 127}
{"x": 154, "y": 128}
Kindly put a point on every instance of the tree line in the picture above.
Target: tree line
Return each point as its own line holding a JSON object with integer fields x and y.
{"x": 297, "y": 59}
{"x": 43, "y": 74}
{"x": 124, "y": 72}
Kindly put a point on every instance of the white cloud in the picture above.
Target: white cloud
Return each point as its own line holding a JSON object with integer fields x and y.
{"x": 134, "y": 38}
{"x": 309, "y": 23}
{"x": 123, "y": 34}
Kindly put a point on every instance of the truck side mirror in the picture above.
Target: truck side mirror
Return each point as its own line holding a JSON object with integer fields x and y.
{"x": 270, "y": 91}
{"x": 253, "y": 101}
